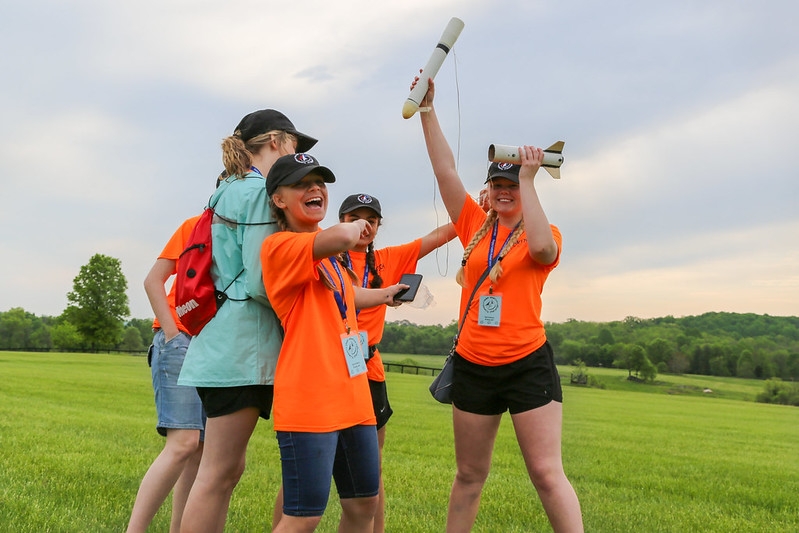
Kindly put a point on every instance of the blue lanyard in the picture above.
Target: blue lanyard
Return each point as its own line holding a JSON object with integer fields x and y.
{"x": 365, "y": 282}
{"x": 256, "y": 170}
{"x": 339, "y": 296}
{"x": 492, "y": 259}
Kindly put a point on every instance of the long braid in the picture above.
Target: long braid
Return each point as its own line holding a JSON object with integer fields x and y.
{"x": 377, "y": 281}
{"x": 496, "y": 270}
{"x": 344, "y": 260}
{"x": 492, "y": 216}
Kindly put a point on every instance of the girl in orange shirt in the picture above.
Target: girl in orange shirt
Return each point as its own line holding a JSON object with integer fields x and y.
{"x": 376, "y": 268}
{"x": 503, "y": 361}
{"x": 322, "y": 407}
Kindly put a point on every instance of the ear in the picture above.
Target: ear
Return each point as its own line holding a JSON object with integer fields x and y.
{"x": 278, "y": 200}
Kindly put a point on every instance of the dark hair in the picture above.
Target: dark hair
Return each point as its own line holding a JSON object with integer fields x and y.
{"x": 346, "y": 261}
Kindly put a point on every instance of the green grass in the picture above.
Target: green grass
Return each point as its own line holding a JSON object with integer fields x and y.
{"x": 77, "y": 434}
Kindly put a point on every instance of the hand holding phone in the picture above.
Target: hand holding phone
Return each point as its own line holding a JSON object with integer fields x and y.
{"x": 412, "y": 281}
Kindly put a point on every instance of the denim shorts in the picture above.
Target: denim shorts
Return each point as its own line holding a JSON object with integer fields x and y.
{"x": 178, "y": 406}
{"x": 520, "y": 386}
{"x": 349, "y": 456}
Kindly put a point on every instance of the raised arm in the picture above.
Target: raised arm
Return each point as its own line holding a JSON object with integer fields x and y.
{"x": 541, "y": 245}
{"x": 339, "y": 238}
{"x": 453, "y": 193}
{"x": 438, "y": 237}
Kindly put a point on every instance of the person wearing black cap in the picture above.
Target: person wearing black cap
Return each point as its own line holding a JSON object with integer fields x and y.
{"x": 323, "y": 412}
{"x": 374, "y": 269}
{"x": 232, "y": 360}
{"x": 503, "y": 361}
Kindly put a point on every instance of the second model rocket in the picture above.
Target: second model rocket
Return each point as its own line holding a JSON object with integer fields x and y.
{"x": 553, "y": 156}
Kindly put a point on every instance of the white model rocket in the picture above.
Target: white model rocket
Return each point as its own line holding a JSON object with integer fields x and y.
{"x": 553, "y": 156}
{"x": 447, "y": 41}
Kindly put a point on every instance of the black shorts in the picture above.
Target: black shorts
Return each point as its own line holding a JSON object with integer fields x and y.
{"x": 526, "y": 384}
{"x": 380, "y": 403}
{"x": 220, "y": 401}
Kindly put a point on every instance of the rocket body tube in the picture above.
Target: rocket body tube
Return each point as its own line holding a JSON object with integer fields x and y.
{"x": 445, "y": 44}
{"x": 553, "y": 156}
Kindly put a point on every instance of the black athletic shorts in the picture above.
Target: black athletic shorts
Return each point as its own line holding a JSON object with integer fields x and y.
{"x": 526, "y": 384}
{"x": 380, "y": 403}
{"x": 220, "y": 401}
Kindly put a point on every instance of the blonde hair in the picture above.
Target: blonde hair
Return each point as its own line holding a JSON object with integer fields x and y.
{"x": 237, "y": 154}
{"x": 496, "y": 269}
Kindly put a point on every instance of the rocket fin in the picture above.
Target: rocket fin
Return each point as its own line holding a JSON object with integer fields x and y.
{"x": 556, "y": 148}
{"x": 553, "y": 171}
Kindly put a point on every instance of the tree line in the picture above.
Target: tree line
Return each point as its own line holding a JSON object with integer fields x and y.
{"x": 743, "y": 345}
{"x": 719, "y": 344}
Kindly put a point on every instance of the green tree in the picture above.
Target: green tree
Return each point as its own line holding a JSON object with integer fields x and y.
{"x": 145, "y": 327}
{"x": 99, "y": 302}
{"x": 131, "y": 340}
{"x": 16, "y": 327}
{"x": 66, "y": 337}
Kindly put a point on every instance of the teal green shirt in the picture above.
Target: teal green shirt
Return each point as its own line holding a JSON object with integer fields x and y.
{"x": 240, "y": 345}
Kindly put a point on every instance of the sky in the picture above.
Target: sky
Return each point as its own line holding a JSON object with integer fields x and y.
{"x": 679, "y": 192}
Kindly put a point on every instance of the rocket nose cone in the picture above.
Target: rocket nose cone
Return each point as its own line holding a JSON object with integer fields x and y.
{"x": 409, "y": 108}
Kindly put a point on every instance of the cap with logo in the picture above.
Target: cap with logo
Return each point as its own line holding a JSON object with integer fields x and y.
{"x": 356, "y": 201}
{"x": 291, "y": 168}
{"x": 503, "y": 170}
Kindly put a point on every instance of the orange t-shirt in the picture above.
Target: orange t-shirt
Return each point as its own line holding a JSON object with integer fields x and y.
{"x": 313, "y": 389}
{"x": 174, "y": 247}
{"x": 520, "y": 331}
{"x": 391, "y": 263}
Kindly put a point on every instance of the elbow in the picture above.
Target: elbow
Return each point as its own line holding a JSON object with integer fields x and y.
{"x": 545, "y": 253}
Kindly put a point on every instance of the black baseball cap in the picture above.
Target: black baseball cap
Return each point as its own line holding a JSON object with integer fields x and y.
{"x": 265, "y": 120}
{"x": 356, "y": 201}
{"x": 503, "y": 170}
{"x": 291, "y": 168}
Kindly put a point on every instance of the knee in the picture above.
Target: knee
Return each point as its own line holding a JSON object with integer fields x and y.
{"x": 471, "y": 475}
{"x": 546, "y": 476}
{"x": 359, "y": 508}
{"x": 183, "y": 444}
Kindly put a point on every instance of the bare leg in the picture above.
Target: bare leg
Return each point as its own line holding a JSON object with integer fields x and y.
{"x": 297, "y": 524}
{"x": 357, "y": 515}
{"x": 221, "y": 467}
{"x": 380, "y": 513}
{"x": 277, "y": 514}
{"x": 162, "y": 476}
{"x": 182, "y": 488}
{"x": 474, "y": 444}
{"x": 539, "y": 434}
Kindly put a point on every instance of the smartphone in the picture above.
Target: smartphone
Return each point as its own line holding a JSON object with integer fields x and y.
{"x": 413, "y": 281}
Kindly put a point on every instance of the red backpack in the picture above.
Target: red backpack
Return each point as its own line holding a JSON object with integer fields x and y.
{"x": 196, "y": 298}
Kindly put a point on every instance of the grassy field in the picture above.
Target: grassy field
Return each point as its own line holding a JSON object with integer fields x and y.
{"x": 77, "y": 433}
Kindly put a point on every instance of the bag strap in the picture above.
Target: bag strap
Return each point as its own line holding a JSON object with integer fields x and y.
{"x": 469, "y": 303}
{"x": 231, "y": 221}
{"x": 211, "y": 207}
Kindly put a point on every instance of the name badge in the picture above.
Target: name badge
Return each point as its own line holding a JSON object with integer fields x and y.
{"x": 353, "y": 354}
{"x": 490, "y": 310}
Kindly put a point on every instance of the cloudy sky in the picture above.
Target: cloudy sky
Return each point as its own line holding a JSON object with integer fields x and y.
{"x": 679, "y": 192}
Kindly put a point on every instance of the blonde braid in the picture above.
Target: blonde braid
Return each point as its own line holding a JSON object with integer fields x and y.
{"x": 492, "y": 216}
{"x": 496, "y": 270}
